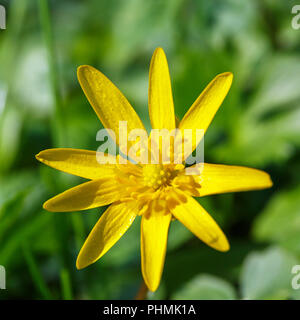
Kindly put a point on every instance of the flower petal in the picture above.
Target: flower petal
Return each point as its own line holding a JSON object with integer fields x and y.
{"x": 113, "y": 223}
{"x": 201, "y": 224}
{"x": 161, "y": 106}
{"x": 87, "y": 195}
{"x": 82, "y": 163}
{"x": 154, "y": 235}
{"x": 218, "y": 178}
{"x": 201, "y": 113}
{"x": 107, "y": 100}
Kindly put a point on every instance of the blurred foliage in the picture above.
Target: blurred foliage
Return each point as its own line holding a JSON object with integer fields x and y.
{"x": 257, "y": 125}
{"x": 206, "y": 287}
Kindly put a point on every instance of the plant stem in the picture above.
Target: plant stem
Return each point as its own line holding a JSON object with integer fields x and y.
{"x": 58, "y": 131}
{"x": 142, "y": 293}
{"x": 66, "y": 284}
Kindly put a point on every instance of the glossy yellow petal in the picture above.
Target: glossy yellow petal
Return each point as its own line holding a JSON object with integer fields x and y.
{"x": 113, "y": 223}
{"x": 82, "y": 163}
{"x": 107, "y": 100}
{"x": 87, "y": 195}
{"x": 203, "y": 110}
{"x": 154, "y": 235}
{"x": 161, "y": 106}
{"x": 217, "y": 178}
{"x": 201, "y": 224}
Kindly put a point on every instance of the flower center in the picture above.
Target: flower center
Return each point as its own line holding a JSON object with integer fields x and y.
{"x": 156, "y": 175}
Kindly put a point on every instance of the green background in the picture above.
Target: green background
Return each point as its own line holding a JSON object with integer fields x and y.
{"x": 258, "y": 125}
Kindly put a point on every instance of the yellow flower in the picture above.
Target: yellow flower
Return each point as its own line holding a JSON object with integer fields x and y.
{"x": 156, "y": 192}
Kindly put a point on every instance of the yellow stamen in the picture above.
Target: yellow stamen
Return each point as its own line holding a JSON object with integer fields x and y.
{"x": 156, "y": 175}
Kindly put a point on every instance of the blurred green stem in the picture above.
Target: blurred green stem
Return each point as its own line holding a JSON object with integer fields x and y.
{"x": 9, "y": 53}
{"x": 58, "y": 132}
{"x": 66, "y": 284}
{"x": 79, "y": 230}
{"x": 35, "y": 273}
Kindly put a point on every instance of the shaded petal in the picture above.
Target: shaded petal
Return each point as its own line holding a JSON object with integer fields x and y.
{"x": 218, "y": 178}
{"x": 87, "y": 195}
{"x": 154, "y": 235}
{"x": 107, "y": 100}
{"x": 200, "y": 223}
{"x": 113, "y": 223}
{"x": 161, "y": 106}
{"x": 82, "y": 163}
{"x": 203, "y": 110}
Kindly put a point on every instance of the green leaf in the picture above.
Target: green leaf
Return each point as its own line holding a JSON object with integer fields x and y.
{"x": 279, "y": 85}
{"x": 137, "y": 25}
{"x": 280, "y": 221}
{"x": 9, "y": 250}
{"x": 206, "y": 287}
{"x": 35, "y": 273}
{"x": 267, "y": 274}
{"x": 11, "y": 185}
